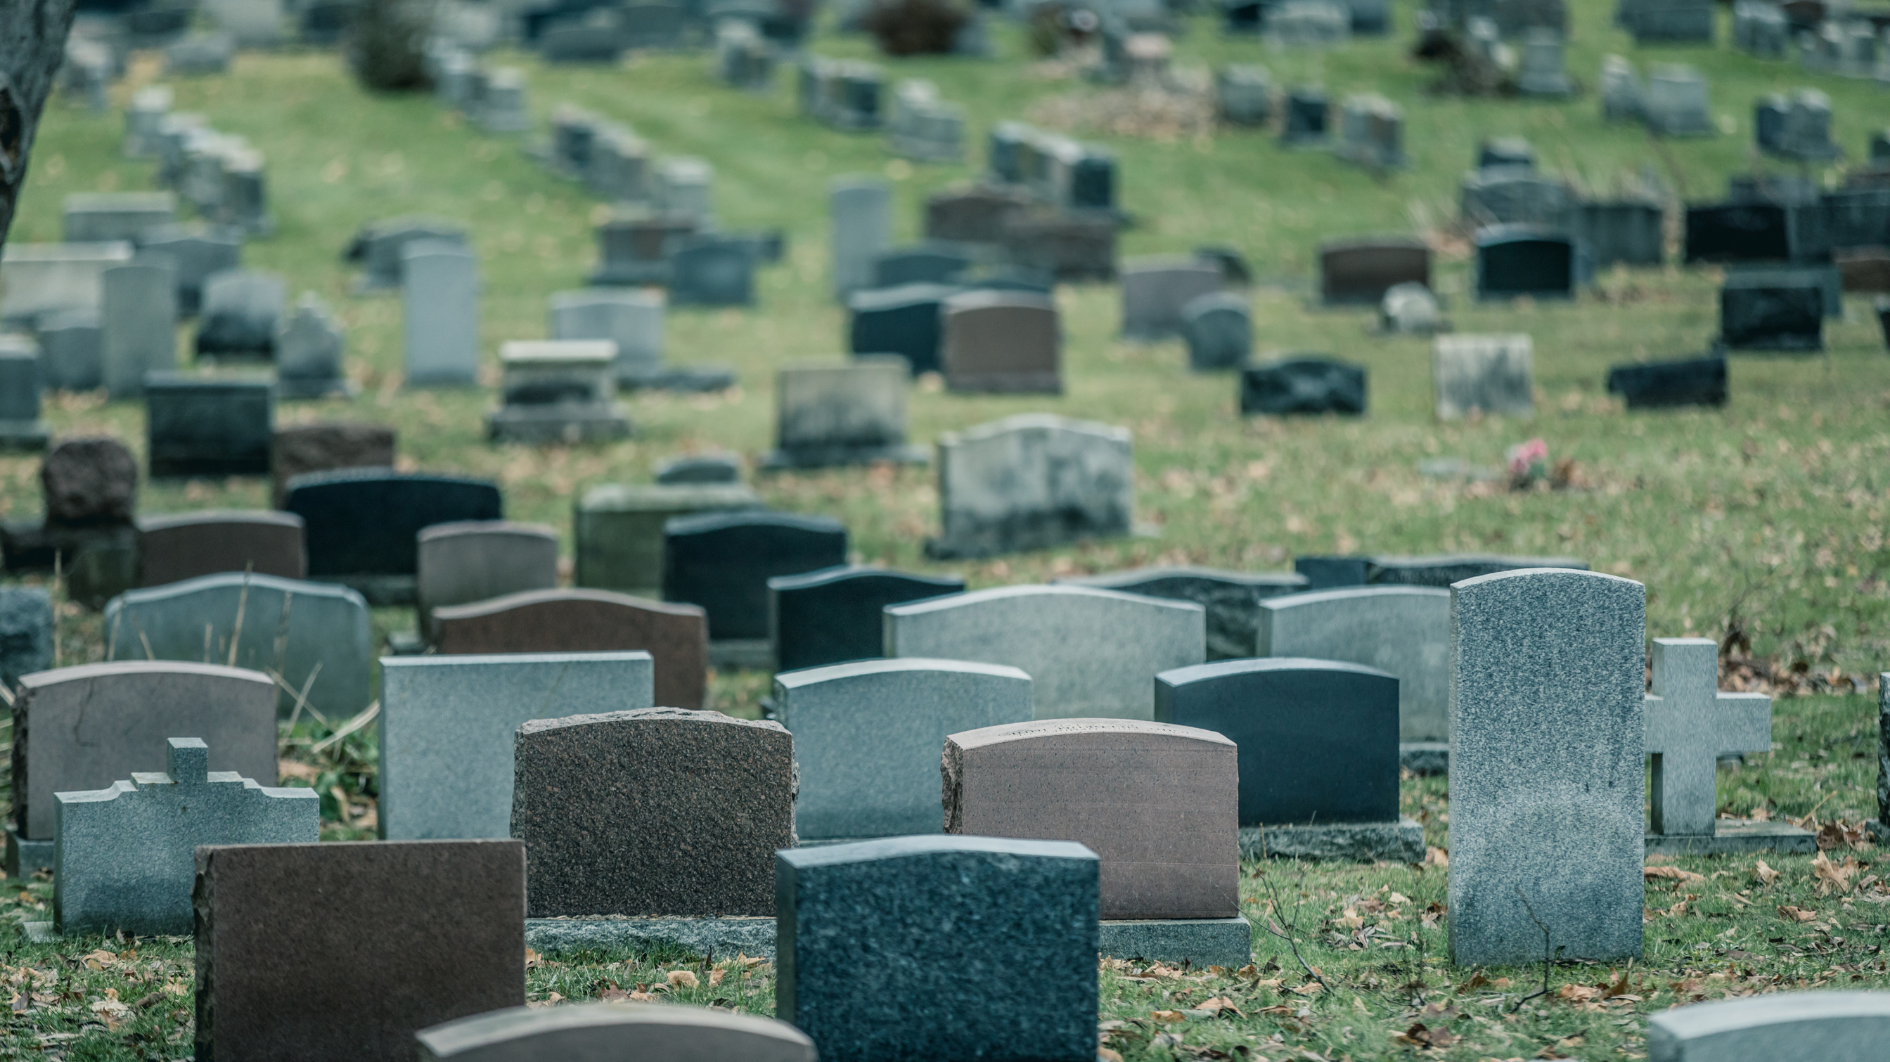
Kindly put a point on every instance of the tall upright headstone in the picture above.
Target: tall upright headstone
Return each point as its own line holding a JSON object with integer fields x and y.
{"x": 138, "y": 318}
{"x": 862, "y": 228}
{"x": 440, "y": 289}
{"x": 1547, "y": 728}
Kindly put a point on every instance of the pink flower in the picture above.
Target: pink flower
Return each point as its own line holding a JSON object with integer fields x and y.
{"x": 1524, "y": 458}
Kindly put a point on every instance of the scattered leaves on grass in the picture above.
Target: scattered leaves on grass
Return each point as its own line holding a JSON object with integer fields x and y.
{"x": 1421, "y": 1035}
{"x": 682, "y": 978}
{"x": 1796, "y": 914}
{"x": 1840, "y": 834}
{"x": 1834, "y": 877}
{"x": 1675, "y": 873}
{"x": 1168, "y": 1015}
{"x": 1765, "y": 874}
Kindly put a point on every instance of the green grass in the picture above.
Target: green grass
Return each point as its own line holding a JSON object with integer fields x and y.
{"x": 1765, "y": 519}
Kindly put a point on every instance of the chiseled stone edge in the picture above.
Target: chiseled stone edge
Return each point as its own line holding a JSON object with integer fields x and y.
{"x": 1359, "y": 842}
{"x": 1737, "y": 838}
{"x": 1201, "y": 941}
{"x": 719, "y": 937}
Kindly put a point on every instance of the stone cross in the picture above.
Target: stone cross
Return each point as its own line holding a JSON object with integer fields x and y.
{"x": 1690, "y": 724}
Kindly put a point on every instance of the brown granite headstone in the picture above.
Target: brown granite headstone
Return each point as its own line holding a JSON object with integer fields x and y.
{"x": 1001, "y": 341}
{"x": 1158, "y": 802}
{"x": 185, "y": 545}
{"x": 1070, "y": 247}
{"x": 1361, "y": 270}
{"x": 326, "y": 447}
{"x": 91, "y": 490}
{"x": 89, "y": 726}
{"x": 974, "y": 215}
{"x": 587, "y": 621}
{"x": 342, "y": 952}
{"x": 659, "y": 811}
{"x": 1865, "y": 269}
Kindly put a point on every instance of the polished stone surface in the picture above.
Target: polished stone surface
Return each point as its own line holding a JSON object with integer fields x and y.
{"x": 836, "y": 614}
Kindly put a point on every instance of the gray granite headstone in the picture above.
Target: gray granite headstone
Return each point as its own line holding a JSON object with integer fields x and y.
{"x": 1219, "y": 331}
{"x": 1547, "y": 787}
{"x": 198, "y": 253}
{"x": 447, "y": 722}
{"x": 440, "y": 286}
{"x": 851, "y": 413}
{"x": 887, "y": 949}
{"x": 464, "y": 561}
{"x": 308, "y": 352}
{"x": 633, "y": 319}
{"x": 1089, "y": 653}
{"x": 1232, "y": 599}
{"x": 380, "y": 247}
{"x": 1690, "y": 724}
{"x": 1032, "y": 481}
{"x": 240, "y": 312}
{"x": 1825, "y": 1025}
{"x": 862, "y": 228}
{"x": 124, "y": 858}
{"x": 21, "y": 381}
{"x": 138, "y": 319}
{"x": 713, "y": 468}
{"x": 39, "y": 277}
{"x": 1154, "y": 291}
{"x": 1491, "y": 374}
{"x": 100, "y": 217}
{"x": 72, "y": 350}
{"x": 318, "y": 625}
{"x": 619, "y": 529}
{"x": 26, "y": 633}
{"x": 584, "y": 1030}
{"x": 889, "y": 785}
{"x": 1402, "y": 630}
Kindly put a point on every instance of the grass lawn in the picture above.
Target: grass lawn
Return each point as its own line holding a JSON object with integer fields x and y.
{"x": 1763, "y": 521}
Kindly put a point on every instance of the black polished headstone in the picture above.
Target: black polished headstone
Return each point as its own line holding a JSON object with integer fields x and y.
{"x": 723, "y": 561}
{"x": 903, "y": 320}
{"x": 363, "y": 521}
{"x": 712, "y": 271}
{"x": 1331, "y": 573}
{"x": 1506, "y": 151}
{"x": 1657, "y": 384}
{"x": 1308, "y": 112}
{"x": 1302, "y": 385}
{"x": 1232, "y": 599}
{"x": 1883, "y": 319}
{"x": 202, "y": 427}
{"x": 1779, "y": 310}
{"x": 1738, "y": 232}
{"x": 837, "y": 615}
{"x": 929, "y": 263}
{"x": 700, "y": 468}
{"x": 1318, "y": 738}
{"x": 1517, "y": 260}
{"x": 1444, "y": 569}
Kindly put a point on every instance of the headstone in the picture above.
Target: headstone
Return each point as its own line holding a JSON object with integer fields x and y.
{"x": 443, "y": 939}
{"x": 380, "y": 247}
{"x": 557, "y": 391}
{"x": 149, "y": 104}
{"x": 1401, "y": 630}
{"x": 518, "y": 1034}
{"x": 198, "y": 426}
{"x": 36, "y": 278}
{"x": 712, "y": 271}
{"x": 977, "y": 215}
{"x": 475, "y": 560}
{"x": 1003, "y": 342}
{"x": 1360, "y": 270}
{"x": 1332, "y": 573}
{"x": 26, "y": 633}
{"x": 1546, "y": 779}
{"x": 1371, "y": 132}
{"x": 848, "y": 959}
{"x": 1032, "y": 481}
{"x": 1410, "y": 309}
{"x": 502, "y": 106}
{"x": 1505, "y": 151}
{"x": 715, "y": 467}
{"x": 138, "y": 322}
{"x": 1154, "y": 290}
{"x": 1089, "y": 653}
{"x": 240, "y": 313}
{"x": 326, "y": 447}
{"x": 1738, "y": 232}
{"x": 1516, "y": 260}
{"x": 836, "y": 615}
{"x": 198, "y": 253}
{"x": 1504, "y": 195}
{"x": 635, "y": 246}
{"x": 1483, "y": 376}
{"x": 1447, "y": 569}
{"x": 1760, "y": 29}
{"x": 1218, "y": 328}
{"x": 855, "y": 413}
{"x": 586, "y": 621}
{"x": 1232, "y": 599}
{"x": 440, "y": 315}
{"x": 1311, "y": 384}
{"x": 1865, "y": 269}
{"x": 71, "y": 350}
{"x": 1308, "y": 112}
{"x": 199, "y": 53}
{"x": 447, "y": 722}
{"x": 1068, "y": 246}
{"x": 362, "y": 523}
{"x": 103, "y": 217}
{"x": 184, "y": 546}
{"x": 308, "y": 352}
{"x": 1669, "y": 21}
{"x": 20, "y": 383}
{"x": 90, "y": 486}
{"x": 1662, "y": 384}
{"x": 1243, "y": 95}
{"x": 1677, "y": 103}
{"x": 1309, "y": 23}
{"x": 1176, "y": 858}
{"x": 659, "y": 811}
{"x": 723, "y": 561}
{"x": 86, "y": 727}
{"x": 1630, "y": 231}
{"x": 928, "y": 263}
{"x": 1318, "y": 753}
{"x": 903, "y": 320}
{"x": 1806, "y": 131}
{"x": 1844, "y": 1026}
{"x": 1772, "y": 309}
{"x": 124, "y": 857}
{"x": 619, "y": 530}
{"x": 631, "y": 319}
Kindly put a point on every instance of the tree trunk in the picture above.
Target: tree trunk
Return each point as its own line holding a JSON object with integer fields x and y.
{"x": 32, "y": 47}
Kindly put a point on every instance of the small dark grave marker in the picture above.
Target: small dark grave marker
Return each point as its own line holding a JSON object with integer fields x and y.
{"x": 1658, "y": 384}
{"x": 1310, "y": 384}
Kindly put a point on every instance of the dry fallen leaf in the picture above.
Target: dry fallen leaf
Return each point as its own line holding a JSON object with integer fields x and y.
{"x": 1169, "y": 1015}
{"x": 1578, "y": 993}
{"x": 715, "y": 977}
{"x": 1420, "y": 1035}
{"x": 1796, "y": 914}
{"x": 684, "y": 978}
{"x": 1436, "y": 857}
{"x": 1108, "y": 1055}
{"x": 1765, "y": 874}
{"x": 1654, "y": 873}
{"x": 1219, "y": 1003}
{"x": 1832, "y": 876}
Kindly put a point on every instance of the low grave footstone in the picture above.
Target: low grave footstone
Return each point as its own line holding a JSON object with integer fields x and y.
{"x": 1001, "y": 341}
{"x": 1318, "y": 753}
{"x": 1772, "y": 310}
{"x": 1546, "y": 779}
{"x": 1839, "y": 1026}
{"x": 326, "y": 447}
{"x": 670, "y": 817}
{"x": 1308, "y": 384}
{"x": 1401, "y": 630}
{"x": 557, "y": 391}
{"x": 362, "y": 523}
{"x": 1154, "y": 291}
{"x": 476, "y": 560}
{"x": 904, "y": 320}
{"x": 577, "y": 1031}
{"x": 1031, "y": 481}
{"x": 196, "y": 426}
{"x": 619, "y": 529}
{"x": 889, "y": 786}
{"x": 181, "y": 546}
{"x": 446, "y": 727}
{"x": 849, "y": 414}
{"x": 1089, "y": 652}
{"x": 443, "y": 939}
{"x": 1232, "y": 599}
{"x": 1690, "y": 724}
{"x": 124, "y": 857}
{"x": 1362, "y": 269}
{"x": 1665, "y": 384}
{"x": 723, "y": 561}
{"x": 86, "y": 727}
{"x": 1218, "y": 328}
{"x": 321, "y": 629}
{"x": 308, "y": 352}
{"x": 885, "y": 948}
{"x": 835, "y": 615}
{"x": 1170, "y": 873}
{"x": 1515, "y": 260}
{"x": 1483, "y": 375}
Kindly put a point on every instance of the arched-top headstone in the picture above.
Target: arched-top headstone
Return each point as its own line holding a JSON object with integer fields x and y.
{"x": 1232, "y": 599}
{"x": 362, "y": 523}
{"x": 1402, "y": 630}
{"x": 1154, "y": 290}
{"x": 464, "y": 561}
{"x": 723, "y": 561}
{"x": 1032, "y": 481}
{"x": 179, "y": 546}
{"x": 835, "y": 615}
{"x": 1827, "y": 1026}
{"x": 1359, "y": 270}
{"x": 587, "y": 1031}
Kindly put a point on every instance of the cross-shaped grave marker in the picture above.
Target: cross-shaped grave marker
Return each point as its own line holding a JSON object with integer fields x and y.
{"x": 1690, "y": 724}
